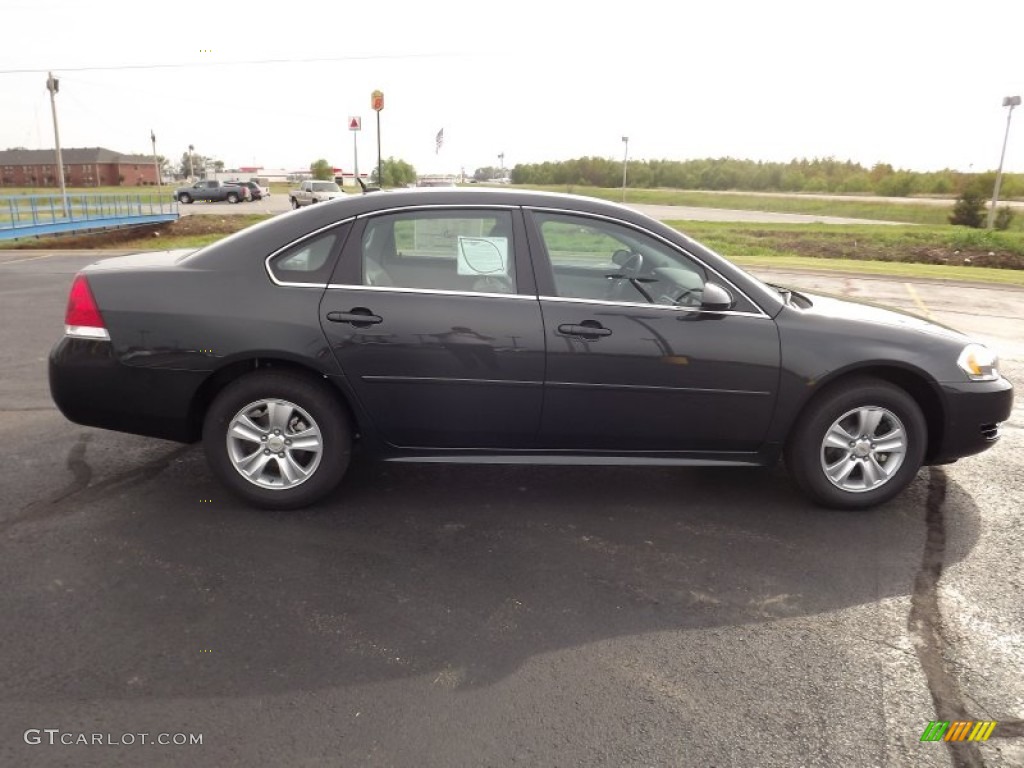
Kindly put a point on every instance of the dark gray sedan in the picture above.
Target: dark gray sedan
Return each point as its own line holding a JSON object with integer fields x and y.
{"x": 508, "y": 327}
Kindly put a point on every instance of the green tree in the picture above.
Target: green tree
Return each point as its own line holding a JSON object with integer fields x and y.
{"x": 199, "y": 163}
{"x": 322, "y": 170}
{"x": 165, "y": 166}
{"x": 1004, "y": 216}
{"x": 397, "y": 173}
{"x": 487, "y": 172}
{"x": 969, "y": 210}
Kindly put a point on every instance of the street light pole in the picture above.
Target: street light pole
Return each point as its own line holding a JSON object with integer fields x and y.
{"x": 53, "y": 85}
{"x": 156, "y": 163}
{"x": 501, "y": 163}
{"x": 625, "y": 164}
{"x": 191, "y": 171}
{"x": 1011, "y": 102}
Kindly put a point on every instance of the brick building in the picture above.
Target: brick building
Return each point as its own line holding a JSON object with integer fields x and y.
{"x": 83, "y": 167}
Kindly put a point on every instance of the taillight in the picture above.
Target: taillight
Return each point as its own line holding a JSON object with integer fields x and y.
{"x": 83, "y": 318}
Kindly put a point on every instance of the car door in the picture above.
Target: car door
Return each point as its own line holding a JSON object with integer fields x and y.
{"x": 633, "y": 361}
{"x": 433, "y": 317}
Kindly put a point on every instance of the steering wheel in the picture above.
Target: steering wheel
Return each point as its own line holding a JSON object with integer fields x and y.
{"x": 630, "y": 265}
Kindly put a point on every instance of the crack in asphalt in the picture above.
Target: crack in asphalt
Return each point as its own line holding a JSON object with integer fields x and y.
{"x": 926, "y": 629}
{"x": 80, "y": 488}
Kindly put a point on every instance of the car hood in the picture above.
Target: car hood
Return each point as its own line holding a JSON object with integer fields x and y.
{"x": 825, "y": 305}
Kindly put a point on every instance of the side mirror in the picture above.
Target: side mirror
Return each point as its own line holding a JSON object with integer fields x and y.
{"x": 716, "y": 298}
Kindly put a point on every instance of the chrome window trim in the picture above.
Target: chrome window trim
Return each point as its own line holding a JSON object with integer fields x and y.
{"x": 649, "y": 305}
{"x": 669, "y": 243}
{"x": 432, "y": 291}
{"x": 86, "y": 332}
{"x": 440, "y": 206}
{"x": 297, "y": 241}
{"x": 435, "y": 291}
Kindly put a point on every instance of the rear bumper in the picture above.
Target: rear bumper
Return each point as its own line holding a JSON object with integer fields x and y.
{"x": 92, "y": 388}
{"x": 974, "y": 411}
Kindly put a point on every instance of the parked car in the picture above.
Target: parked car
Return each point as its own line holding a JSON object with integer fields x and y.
{"x": 255, "y": 190}
{"x": 263, "y": 184}
{"x": 309, "y": 192}
{"x": 213, "y": 191}
{"x": 495, "y": 326}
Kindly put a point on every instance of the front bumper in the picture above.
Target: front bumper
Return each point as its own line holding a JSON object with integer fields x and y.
{"x": 973, "y": 413}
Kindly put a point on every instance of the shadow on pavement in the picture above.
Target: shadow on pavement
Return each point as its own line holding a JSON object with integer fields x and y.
{"x": 460, "y": 573}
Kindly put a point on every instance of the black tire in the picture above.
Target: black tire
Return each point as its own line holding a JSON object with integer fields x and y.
{"x": 232, "y": 198}
{"x": 839, "y": 406}
{"x": 323, "y": 408}
{"x": 185, "y": 198}
{"x": 295, "y": 203}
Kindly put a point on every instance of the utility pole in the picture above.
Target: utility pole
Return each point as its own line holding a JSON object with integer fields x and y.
{"x": 191, "y": 172}
{"x": 1011, "y": 102}
{"x": 501, "y": 163}
{"x": 156, "y": 162}
{"x": 53, "y": 85}
{"x": 625, "y": 164}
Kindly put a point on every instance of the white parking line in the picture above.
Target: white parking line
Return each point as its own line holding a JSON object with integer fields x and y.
{"x": 31, "y": 258}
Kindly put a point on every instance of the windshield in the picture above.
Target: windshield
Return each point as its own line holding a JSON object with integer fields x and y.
{"x": 325, "y": 186}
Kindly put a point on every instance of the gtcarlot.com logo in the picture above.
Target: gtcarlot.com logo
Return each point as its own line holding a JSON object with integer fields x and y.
{"x": 958, "y": 730}
{"x": 55, "y": 736}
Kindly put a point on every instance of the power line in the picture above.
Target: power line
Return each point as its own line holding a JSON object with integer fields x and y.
{"x": 186, "y": 65}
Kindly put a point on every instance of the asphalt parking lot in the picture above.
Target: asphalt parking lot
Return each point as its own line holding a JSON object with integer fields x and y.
{"x": 477, "y": 616}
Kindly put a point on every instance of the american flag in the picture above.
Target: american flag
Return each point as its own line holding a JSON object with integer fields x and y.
{"x": 439, "y": 140}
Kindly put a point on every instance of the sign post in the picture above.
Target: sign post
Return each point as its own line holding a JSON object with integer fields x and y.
{"x": 377, "y": 104}
{"x": 355, "y": 124}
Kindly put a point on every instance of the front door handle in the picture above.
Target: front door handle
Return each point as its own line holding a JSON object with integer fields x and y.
{"x": 360, "y": 317}
{"x": 588, "y": 329}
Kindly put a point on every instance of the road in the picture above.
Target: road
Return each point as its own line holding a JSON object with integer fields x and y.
{"x": 279, "y": 204}
{"x": 469, "y": 616}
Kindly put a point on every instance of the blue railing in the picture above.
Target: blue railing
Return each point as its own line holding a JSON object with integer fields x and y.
{"x": 31, "y": 215}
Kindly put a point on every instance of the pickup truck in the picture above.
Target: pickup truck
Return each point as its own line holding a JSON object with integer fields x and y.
{"x": 212, "y": 191}
{"x": 310, "y": 192}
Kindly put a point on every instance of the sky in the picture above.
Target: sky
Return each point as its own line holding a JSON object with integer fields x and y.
{"x": 915, "y": 84}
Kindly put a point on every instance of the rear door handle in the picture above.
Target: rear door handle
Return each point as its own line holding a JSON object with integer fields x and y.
{"x": 359, "y": 317}
{"x": 588, "y": 329}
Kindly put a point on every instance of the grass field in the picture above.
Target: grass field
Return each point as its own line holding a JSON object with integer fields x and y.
{"x": 934, "y": 252}
{"x": 907, "y": 212}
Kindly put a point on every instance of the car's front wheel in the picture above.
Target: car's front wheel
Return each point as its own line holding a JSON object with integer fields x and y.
{"x": 277, "y": 439}
{"x": 295, "y": 203}
{"x": 185, "y": 198}
{"x": 232, "y": 198}
{"x": 858, "y": 444}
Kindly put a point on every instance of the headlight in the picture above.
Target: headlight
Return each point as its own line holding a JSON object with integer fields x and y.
{"x": 979, "y": 363}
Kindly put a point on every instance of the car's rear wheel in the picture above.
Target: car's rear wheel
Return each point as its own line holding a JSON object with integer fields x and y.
{"x": 278, "y": 440}
{"x": 232, "y": 198}
{"x": 185, "y": 198}
{"x": 858, "y": 444}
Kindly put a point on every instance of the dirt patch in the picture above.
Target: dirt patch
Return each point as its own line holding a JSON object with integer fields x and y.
{"x": 846, "y": 247}
{"x": 141, "y": 236}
